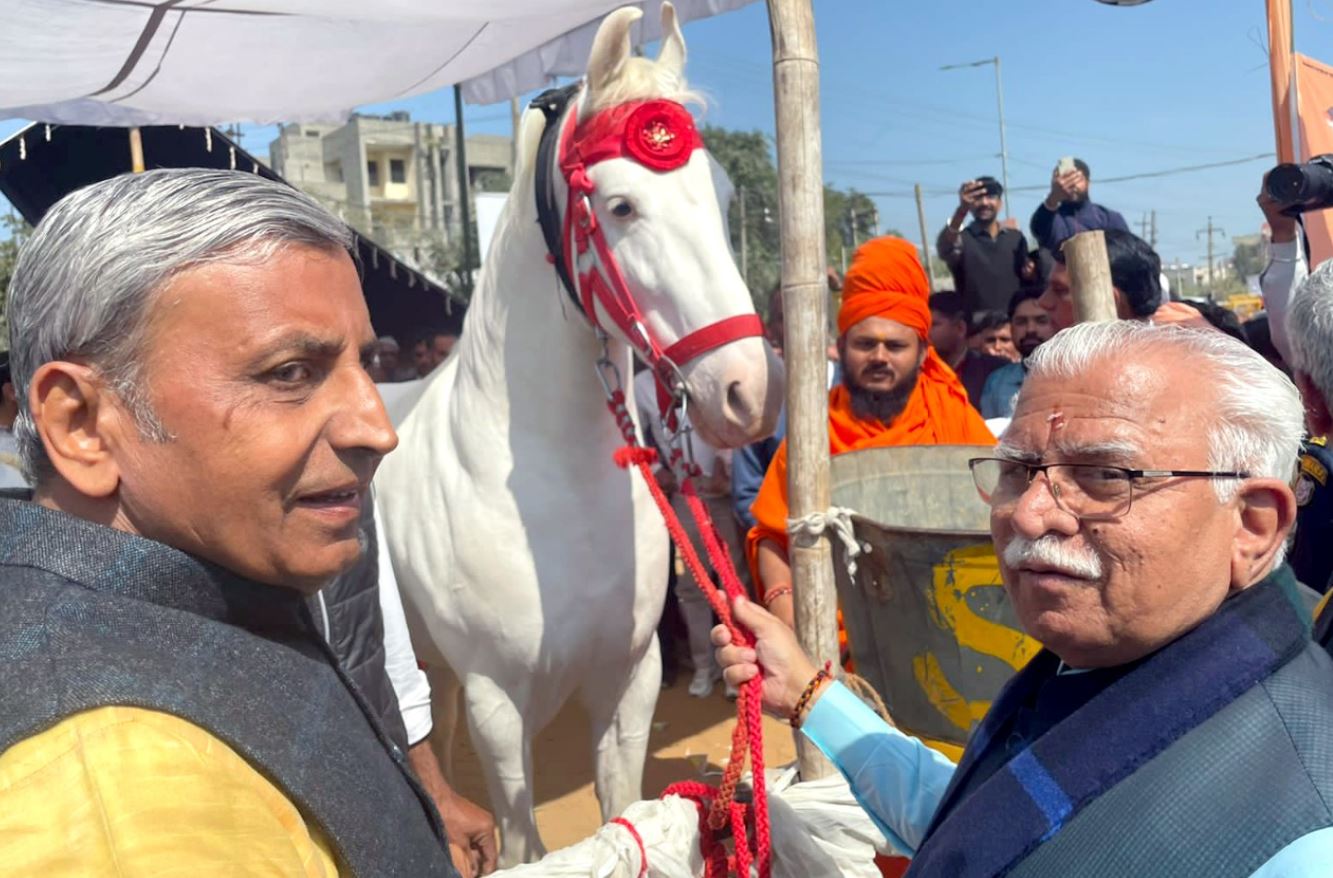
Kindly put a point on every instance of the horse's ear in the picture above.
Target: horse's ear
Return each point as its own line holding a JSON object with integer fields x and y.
{"x": 611, "y": 48}
{"x": 672, "y": 54}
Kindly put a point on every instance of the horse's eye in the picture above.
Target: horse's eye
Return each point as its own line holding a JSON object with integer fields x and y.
{"x": 621, "y": 208}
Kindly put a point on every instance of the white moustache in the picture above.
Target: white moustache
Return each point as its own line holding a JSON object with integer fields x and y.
{"x": 1056, "y": 553}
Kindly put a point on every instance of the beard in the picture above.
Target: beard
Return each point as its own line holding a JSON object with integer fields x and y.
{"x": 1027, "y": 345}
{"x": 880, "y": 405}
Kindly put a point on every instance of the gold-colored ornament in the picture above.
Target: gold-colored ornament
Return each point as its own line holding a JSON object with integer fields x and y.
{"x": 659, "y": 136}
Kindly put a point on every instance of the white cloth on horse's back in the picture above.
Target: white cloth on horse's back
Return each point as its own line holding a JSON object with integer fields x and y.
{"x": 819, "y": 831}
{"x": 670, "y": 831}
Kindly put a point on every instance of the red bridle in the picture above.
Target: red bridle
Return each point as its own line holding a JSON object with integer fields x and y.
{"x": 660, "y": 135}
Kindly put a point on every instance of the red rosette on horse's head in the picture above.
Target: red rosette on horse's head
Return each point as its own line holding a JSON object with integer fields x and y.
{"x": 661, "y": 135}
{"x": 658, "y": 134}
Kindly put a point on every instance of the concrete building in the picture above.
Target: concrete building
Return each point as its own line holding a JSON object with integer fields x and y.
{"x": 392, "y": 179}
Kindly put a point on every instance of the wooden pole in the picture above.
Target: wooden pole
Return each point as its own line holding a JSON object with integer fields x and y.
{"x": 925, "y": 237}
{"x": 1090, "y": 277}
{"x": 805, "y": 303}
{"x": 464, "y": 188}
{"x": 136, "y": 151}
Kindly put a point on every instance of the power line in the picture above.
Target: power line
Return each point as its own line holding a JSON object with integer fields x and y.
{"x": 873, "y": 162}
{"x": 1100, "y": 181}
{"x": 938, "y": 114}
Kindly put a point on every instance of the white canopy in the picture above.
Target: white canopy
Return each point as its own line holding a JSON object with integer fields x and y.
{"x": 204, "y": 62}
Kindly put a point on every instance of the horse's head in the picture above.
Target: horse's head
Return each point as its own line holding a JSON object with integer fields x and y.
{"x": 660, "y": 208}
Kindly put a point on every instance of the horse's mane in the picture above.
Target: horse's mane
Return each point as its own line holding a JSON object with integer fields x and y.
{"x": 642, "y": 79}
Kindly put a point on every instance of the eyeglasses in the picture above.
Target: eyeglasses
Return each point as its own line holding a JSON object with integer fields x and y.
{"x": 1088, "y": 491}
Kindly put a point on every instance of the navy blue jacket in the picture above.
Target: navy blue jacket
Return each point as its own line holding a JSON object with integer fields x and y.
{"x": 1052, "y": 227}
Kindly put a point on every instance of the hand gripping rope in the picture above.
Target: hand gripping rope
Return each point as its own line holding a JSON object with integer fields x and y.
{"x": 717, "y": 805}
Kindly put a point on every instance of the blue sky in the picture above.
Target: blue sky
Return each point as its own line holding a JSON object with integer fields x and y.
{"x": 1169, "y": 84}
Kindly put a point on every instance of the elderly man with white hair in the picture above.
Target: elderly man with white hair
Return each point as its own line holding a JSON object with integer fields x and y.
{"x": 1176, "y": 722}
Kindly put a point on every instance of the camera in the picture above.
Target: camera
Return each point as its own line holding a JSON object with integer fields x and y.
{"x": 1303, "y": 187}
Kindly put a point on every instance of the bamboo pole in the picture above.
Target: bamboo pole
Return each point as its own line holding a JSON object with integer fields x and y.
{"x": 136, "y": 151}
{"x": 805, "y": 303}
{"x": 1090, "y": 277}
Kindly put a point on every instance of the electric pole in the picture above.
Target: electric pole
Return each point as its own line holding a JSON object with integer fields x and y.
{"x": 1148, "y": 228}
{"x": 925, "y": 237}
{"x": 1210, "y": 231}
{"x": 999, "y": 102}
{"x": 745, "y": 241}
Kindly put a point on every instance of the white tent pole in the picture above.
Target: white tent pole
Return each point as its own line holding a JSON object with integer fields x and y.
{"x": 805, "y": 301}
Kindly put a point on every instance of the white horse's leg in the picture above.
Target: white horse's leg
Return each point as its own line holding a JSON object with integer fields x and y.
{"x": 620, "y": 730}
{"x": 503, "y": 742}
{"x": 444, "y": 691}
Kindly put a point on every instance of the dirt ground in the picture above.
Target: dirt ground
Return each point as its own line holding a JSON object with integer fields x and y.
{"x": 691, "y": 740}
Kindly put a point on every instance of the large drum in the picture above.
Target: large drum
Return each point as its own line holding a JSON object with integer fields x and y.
{"x": 928, "y": 619}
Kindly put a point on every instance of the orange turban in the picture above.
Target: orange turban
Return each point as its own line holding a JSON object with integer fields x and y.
{"x": 886, "y": 280}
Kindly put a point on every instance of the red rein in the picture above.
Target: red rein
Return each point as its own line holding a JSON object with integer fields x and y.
{"x": 717, "y": 805}
{"x": 660, "y": 135}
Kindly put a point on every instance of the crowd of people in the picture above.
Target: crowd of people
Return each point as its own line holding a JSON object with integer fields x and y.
{"x": 1163, "y": 537}
{"x": 429, "y": 349}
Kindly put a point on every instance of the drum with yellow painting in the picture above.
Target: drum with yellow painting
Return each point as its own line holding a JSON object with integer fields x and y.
{"x": 930, "y": 625}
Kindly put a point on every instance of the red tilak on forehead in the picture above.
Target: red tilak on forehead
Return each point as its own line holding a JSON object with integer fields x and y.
{"x": 657, "y": 134}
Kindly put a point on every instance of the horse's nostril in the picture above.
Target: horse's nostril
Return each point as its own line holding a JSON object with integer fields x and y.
{"x": 737, "y": 403}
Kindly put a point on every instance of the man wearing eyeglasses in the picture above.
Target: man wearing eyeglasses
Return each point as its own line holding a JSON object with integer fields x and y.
{"x": 1176, "y": 722}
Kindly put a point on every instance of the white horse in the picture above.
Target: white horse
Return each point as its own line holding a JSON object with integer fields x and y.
{"x": 530, "y": 564}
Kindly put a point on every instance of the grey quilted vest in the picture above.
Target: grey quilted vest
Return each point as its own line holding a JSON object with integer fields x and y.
{"x": 347, "y": 612}
{"x": 91, "y": 616}
{"x": 1192, "y": 812}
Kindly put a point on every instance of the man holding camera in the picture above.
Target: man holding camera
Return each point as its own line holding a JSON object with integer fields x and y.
{"x": 1285, "y": 281}
{"x": 1068, "y": 210}
{"x": 989, "y": 263}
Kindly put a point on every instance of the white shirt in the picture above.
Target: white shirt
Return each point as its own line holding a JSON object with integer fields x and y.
{"x": 1280, "y": 283}
{"x": 400, "y": 661}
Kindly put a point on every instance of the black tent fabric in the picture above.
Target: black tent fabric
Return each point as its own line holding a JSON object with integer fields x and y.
{"x": 43, "y": 163}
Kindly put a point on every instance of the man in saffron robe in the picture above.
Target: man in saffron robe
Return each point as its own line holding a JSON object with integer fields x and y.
{"x": 895, "y": 391}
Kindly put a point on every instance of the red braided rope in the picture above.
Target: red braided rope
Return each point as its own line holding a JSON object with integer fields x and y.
{"x": 718, "y": 807}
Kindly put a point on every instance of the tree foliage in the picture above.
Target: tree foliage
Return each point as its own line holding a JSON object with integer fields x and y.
{"x": 1249, "y": 257}
{"x": 747, "y": 156}
{"x": 13, "y": 232}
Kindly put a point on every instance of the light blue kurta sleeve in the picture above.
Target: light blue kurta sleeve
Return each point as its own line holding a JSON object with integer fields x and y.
{"x": 898, "y": 780}
{"x": 1310, "y": 856}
